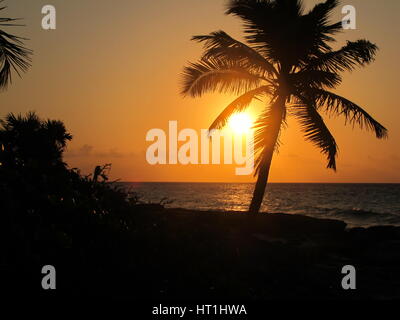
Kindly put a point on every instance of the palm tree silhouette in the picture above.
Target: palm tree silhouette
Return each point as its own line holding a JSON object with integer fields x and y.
{"x": 287, "y": 59}
{"x": 13, "y": 54}
{"x": 30, "y": 142}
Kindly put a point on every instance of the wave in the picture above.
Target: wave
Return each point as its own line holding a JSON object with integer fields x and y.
{"x": 355, "y": 204}
{"x": 356, "y": 216}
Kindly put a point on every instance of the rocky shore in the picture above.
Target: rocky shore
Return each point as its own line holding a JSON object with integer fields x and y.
{"x": 183, "y": 254}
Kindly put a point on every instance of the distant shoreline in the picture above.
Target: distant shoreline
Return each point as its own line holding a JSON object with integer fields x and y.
{"x": 281, "y": 217}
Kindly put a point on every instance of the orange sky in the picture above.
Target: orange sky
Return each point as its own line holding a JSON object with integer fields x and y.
{"x": 111, "y": 72}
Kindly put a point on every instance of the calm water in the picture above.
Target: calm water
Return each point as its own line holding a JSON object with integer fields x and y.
{"x": 356, "y": 204}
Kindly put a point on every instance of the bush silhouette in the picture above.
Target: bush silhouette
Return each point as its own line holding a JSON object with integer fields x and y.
{"x": 49, "y": 212}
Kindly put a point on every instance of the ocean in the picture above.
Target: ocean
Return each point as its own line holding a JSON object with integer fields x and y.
{"x": 359, "y": 205}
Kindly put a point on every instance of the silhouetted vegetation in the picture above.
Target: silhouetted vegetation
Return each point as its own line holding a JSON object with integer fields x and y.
{"x": 44, "y": 204}
{"x": 14, "y": 55}
{"x": 288, "y": 61}
{"x": 104, "y": 242}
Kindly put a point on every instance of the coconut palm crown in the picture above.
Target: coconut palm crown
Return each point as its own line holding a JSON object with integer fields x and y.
{"x": 288, "y": 62}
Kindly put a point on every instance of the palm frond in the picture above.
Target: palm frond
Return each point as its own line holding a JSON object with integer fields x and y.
{"x": 218, "y": 75}
{"x": 267, "y": 132}
{"x": 353, "y": 54}
{"x": 18, "y": 121}
{"x": 300, "y": 37}
{"x": 321, "y": 12}
{"x": 13, "y": 54}
{"x": 317, "y": 30}
{"x": 56, "y": 129}
{"x": 238, "y": 105}
{"x": 354, "y": 114}
{"x": 260, "y": 19}
{"x": 317, "y": 132}
{"x": 314, "y": 79}
{"x": 220, "y": 45}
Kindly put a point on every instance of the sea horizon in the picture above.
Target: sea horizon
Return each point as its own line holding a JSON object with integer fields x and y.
{"x": 166, "y": 153}
{"x": 357, "y": 204}
{"x": 233, "y": 182}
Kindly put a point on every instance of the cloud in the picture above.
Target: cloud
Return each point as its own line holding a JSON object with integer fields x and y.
{"x": 84, "y": 151}
{"x": 87, "y": 151}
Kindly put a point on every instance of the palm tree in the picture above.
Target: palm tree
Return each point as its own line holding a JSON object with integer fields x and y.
{"x": 30, "y": 142}
{"x": 287, "y": 58}
{"x": 13, "y": 54}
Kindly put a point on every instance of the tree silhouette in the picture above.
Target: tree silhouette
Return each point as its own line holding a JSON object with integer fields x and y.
{"x": 27, "y": 141}
{"x": 13, "y": 54}
{"x": 287, "y": 60}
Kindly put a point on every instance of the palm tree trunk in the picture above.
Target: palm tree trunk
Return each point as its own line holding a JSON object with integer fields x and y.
{"x": 261, "y": 184}
{"x": 262, "y": 179}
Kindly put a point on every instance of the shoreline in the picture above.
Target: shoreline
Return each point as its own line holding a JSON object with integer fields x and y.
{"x": 348, "y": 226}
{"x": 287, "y": 220}
{"x": 359, "y": 205}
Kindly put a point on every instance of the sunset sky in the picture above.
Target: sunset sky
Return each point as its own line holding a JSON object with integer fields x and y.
{"x": 112, "y": 69}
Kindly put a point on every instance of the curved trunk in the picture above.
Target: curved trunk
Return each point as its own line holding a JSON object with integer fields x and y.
{"x": 261, "y": 184}
{"x": 262, "y": 179}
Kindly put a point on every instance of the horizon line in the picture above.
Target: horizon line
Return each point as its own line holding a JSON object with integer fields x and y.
{"x": 236, "y": 182}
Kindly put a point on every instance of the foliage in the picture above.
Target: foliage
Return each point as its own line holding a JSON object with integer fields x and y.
{"x": 287, "y": 60}
{"x": 13, "y": 54}
{"x": 47, "y": 208}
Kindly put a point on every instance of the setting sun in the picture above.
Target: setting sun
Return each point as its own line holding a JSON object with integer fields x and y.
{"x": 240, "y": 122}
{"x": 243, "y": 150}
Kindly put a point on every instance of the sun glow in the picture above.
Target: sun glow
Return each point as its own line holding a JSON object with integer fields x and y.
{"x": 240, "y": 123}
